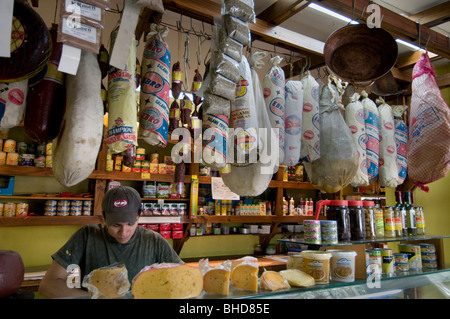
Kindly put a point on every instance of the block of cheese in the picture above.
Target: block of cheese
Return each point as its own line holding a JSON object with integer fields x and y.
{"x": 217, "y": 281}
{"x": 245, "y": 277}
{"x": 108, "y": 282}
{"x": 298, "y": 278}
{"x": 272, "y": 280}
{"x": 167, "y": 281}
{"x": 246, "y": 259}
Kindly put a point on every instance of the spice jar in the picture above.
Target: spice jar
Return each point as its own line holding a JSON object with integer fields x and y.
{"x": 389, "y": 222}
{"x": 398, "y": 217}
{"x": 357, "y": 220}
{"x": 379, "y": 217}
{"x": 371, "y": 223}
{"x": 337, "y": 210}
{"x": 420, "y": 221}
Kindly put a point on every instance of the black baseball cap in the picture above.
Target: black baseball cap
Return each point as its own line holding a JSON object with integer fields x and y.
{"x": 121, "y": 205}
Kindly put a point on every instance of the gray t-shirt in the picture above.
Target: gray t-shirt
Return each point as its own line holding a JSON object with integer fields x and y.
{"x": 92, "y": 247}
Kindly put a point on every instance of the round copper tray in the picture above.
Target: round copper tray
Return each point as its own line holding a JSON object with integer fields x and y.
{"x": 359, "y": 54}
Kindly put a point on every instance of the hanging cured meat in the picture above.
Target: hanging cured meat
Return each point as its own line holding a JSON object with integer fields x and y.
{"x": 46, "y": 99}
{"x": 30, "y": 45}
{"x": 76, "y": 148}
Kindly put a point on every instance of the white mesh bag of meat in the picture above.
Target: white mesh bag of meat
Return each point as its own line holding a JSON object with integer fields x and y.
{"x": 429, "y": 127}
{"x": 310, "y": 119}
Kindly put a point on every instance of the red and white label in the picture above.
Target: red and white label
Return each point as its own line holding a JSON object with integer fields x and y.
{"x": 120, "y": 203}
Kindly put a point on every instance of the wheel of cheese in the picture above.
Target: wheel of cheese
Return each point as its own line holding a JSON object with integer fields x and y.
{"x": 11, "y": 272}
{"x": 217, "y": 281}
{"x": 108, "y": 282}
{"x": 167, "y": 281}
{"x": 31, "y": 45}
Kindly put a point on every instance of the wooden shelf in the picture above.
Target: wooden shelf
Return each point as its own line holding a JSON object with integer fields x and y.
{"x": 249, "y": 219}
{"x": 45, "y": 197}
{"x": 50, "y": 220}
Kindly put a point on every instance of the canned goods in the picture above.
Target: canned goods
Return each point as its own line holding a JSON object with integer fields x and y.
{"x": 427, "y": 248}
{"x": 387, "y": 260}
{"x": 63, "y": 208}
{"x": 9, "y": 210}
{"x": 50, "y": 207}
{"x": 401, "y": 262}
{"x": 22, "y": 209}
{"x": 2, "y": 158}
{"x": 375, "y": 262}
{"x": 329, "y": 231}
{"x": 9, "y": 146}
{"x": 76, "y": 208}
{"x": 312, "y": 233}
{"x": 414, "y": 255}
{"x": 182, "y": 208}
{"x": 1, "y": 208}
{"x": 154, "y": 158}
{"x": 149, "y": 190}
{"x": 12, "y": 158}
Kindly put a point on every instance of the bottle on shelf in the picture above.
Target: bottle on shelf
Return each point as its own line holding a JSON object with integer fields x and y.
{"x": 291, "y": 206}
{"x": 402, "y": 213}
{"x": 420, "y": 221}
{"x": 410, "y": 214}
{"x": 309, "y": 207}
{"x": 302, "y": 205}
{"x": 285, "y": 207}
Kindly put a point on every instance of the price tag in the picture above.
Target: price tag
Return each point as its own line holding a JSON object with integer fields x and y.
{"x": 145, "y": 175}
{"x": 6, "y": 15}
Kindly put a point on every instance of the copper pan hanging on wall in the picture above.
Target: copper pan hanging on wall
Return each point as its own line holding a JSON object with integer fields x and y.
{"x": 359, "y": 54}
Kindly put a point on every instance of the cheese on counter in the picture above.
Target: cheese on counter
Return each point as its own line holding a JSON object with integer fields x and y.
{"x": 217, "y": 281}
{"x": 272, "y": 280}
{"x": 245, "y": 277}
{"x": 108, "y": 282}
{"x": 297, "y": 278}
{"x": 167, "y": 281}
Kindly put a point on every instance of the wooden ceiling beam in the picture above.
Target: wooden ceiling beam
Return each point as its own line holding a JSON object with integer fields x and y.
{"x": 206, "y": 11}
{"x": 282, "y": 10}
{"x": 399, "y": 26}
{"x": 433, "y": 16}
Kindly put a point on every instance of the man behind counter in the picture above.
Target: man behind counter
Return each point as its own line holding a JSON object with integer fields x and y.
{"x": 119, "y": 241}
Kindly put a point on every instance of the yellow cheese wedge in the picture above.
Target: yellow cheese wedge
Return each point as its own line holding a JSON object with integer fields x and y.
{"x": 297, "y": 278}
{"x": 107, "y": 283}
{"x": 217, "y": 281}
{"x": 245, "y": 277}
{"x": 272, "y": 280}
{"x": 168, "y": 281}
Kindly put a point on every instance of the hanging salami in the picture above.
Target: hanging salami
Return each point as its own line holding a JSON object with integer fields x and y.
{"x": 373, "y": 135}
{"x": 387, "y": 171}
{"x": 46, "y": 99}
{"x": 310, "y": 119}
{"x": 155, "y": 87}
{"x": 401, "y": 141}
{"x": 293, "y": 122}
{"x": 122, "y": 105}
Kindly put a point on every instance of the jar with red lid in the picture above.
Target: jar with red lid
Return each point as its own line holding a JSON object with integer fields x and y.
{"x": 337, "y": 210}
{"x": 357, "y": 220}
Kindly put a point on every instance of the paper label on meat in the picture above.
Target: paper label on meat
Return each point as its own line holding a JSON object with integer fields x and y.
{"x": 155, "y": 89}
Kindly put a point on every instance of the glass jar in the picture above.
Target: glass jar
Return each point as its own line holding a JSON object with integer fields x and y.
{"x": 371, "y": 222}
{"x": 337, "y": 210}
{"x": 389, "y": 222}
{"x": 379, "y": 217}
{"x": 398, "y": 217}
{"x": 420, "y": 221}
{"x": 357, "y": 220}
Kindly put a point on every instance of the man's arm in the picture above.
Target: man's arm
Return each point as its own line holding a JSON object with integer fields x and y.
{"x": 54, "y": 283}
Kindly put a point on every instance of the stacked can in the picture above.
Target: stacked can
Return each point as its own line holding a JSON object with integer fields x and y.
{"x": 312, "y": 234}
{"x": 387, "y": 260}
{"x": 22, "y": 209}
{"x": 428, "y": 254}
{"x": 401, "y": 262}
{"x": 63, "y": 208}
{"x": 87, "y": 207}
{"x": 329, "y": 231}
{"x": 9, "y": 210}
{"x": 414, "y": 255}
{"x": 374, "y": 266}
{"x": 76, "y": 207}
{"x": 50, "y": 207}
